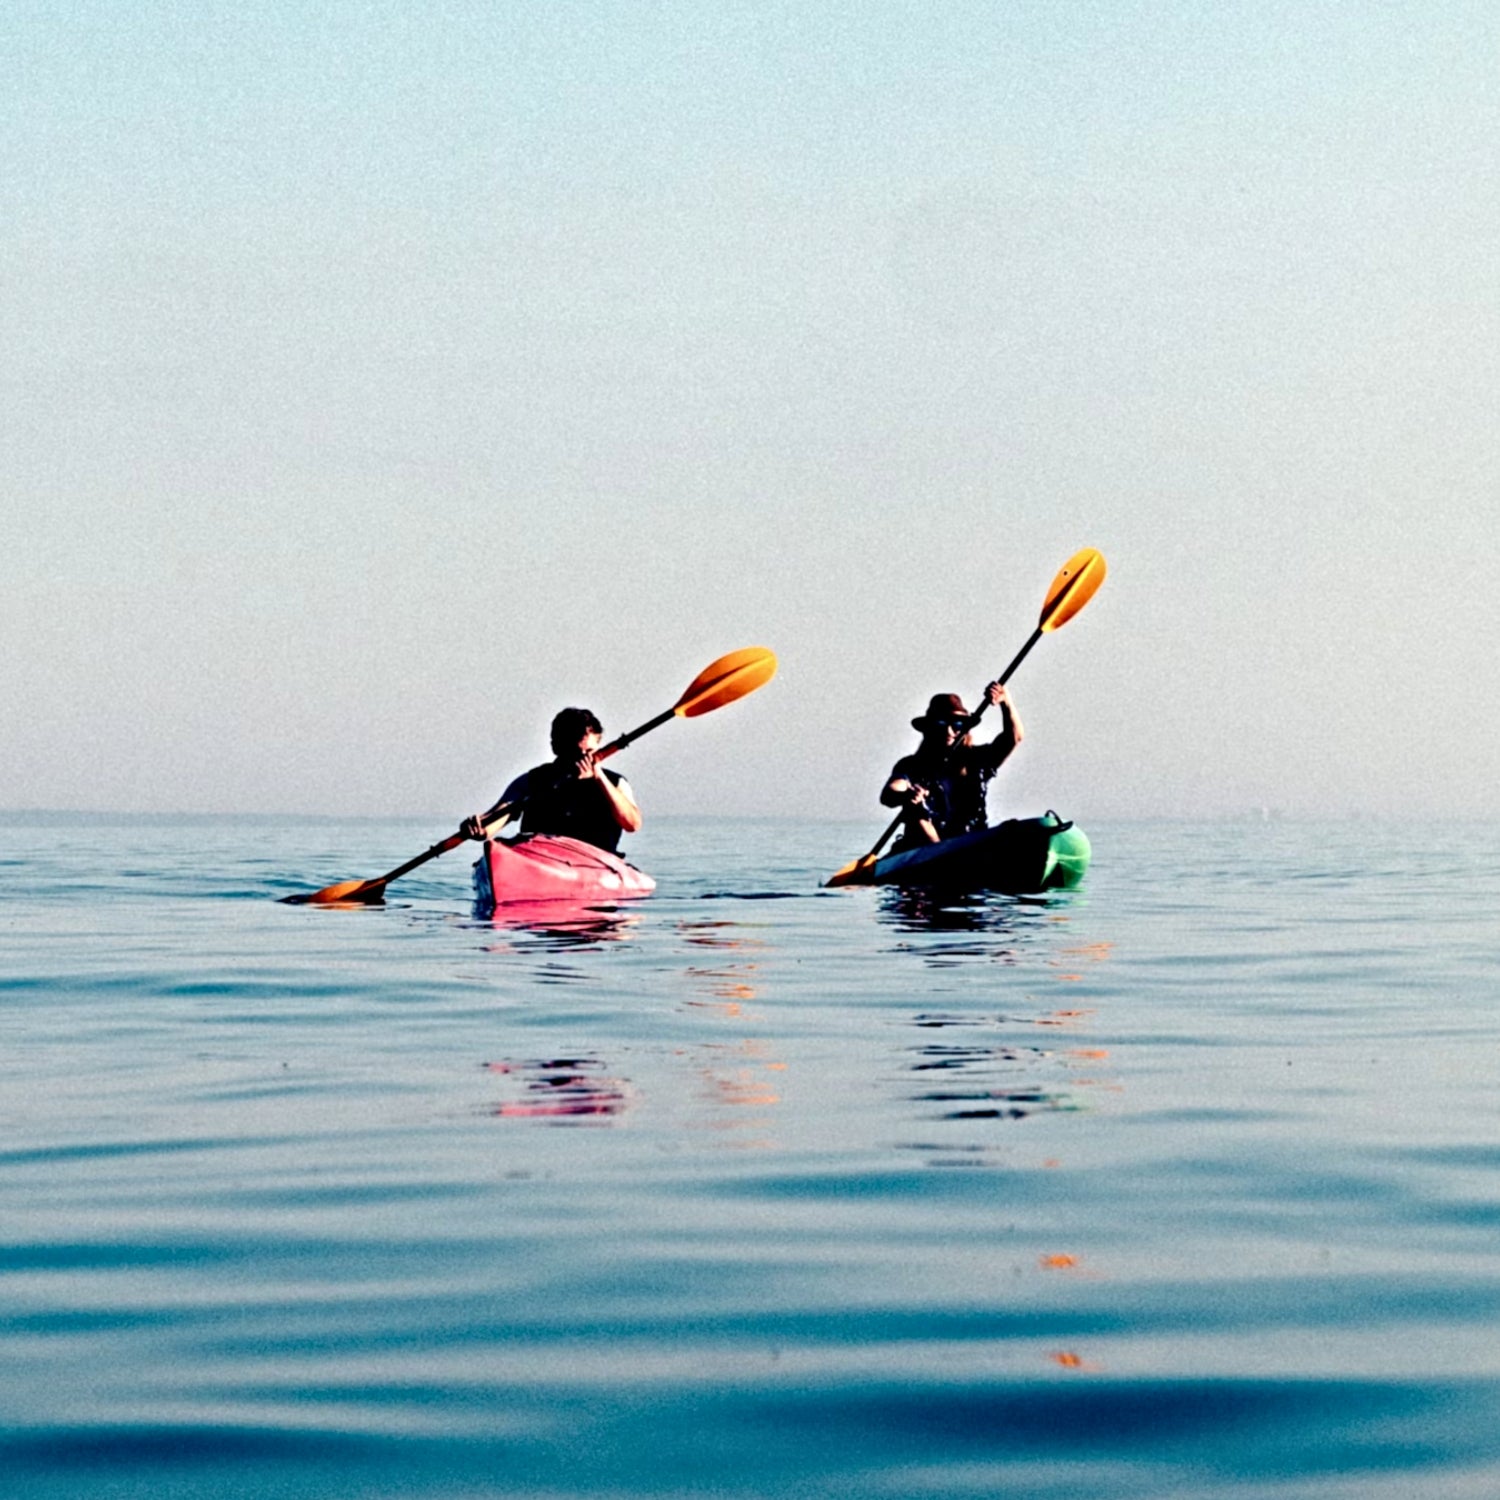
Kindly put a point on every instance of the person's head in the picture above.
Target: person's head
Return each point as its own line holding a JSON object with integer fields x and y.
{"x": 946, "y": 721}
{"x": 570, "y": 727}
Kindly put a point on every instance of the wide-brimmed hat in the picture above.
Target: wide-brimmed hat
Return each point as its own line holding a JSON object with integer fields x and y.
{"x": 944, "y": 707}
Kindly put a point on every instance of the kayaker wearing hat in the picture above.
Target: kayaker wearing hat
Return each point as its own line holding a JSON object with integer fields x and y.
{"x": 942, "y": 783}
{"x": 572, "y": 793}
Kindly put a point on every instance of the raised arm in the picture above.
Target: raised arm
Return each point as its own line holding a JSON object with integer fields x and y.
{"x": 1011, "y": 733}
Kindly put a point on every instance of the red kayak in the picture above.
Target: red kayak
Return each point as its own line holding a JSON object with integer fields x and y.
{"x": 540, "y": 867}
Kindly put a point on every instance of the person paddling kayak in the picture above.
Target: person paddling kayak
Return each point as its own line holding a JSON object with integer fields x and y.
{"x": 571, "y": 794}
{"x": 942, "y": 784}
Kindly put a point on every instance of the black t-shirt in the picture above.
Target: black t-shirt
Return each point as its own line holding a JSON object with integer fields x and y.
{"x": 957, "y": 782}
{"x": 567, "y": 804}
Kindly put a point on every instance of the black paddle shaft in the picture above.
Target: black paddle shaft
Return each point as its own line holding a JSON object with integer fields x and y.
{"x": 620, "y": 741}
{"x": 1020, "y": 656}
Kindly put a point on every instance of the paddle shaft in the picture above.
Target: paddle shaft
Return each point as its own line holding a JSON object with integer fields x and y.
{"x": 625, "y": 739}
{"x": 441, "y": 847}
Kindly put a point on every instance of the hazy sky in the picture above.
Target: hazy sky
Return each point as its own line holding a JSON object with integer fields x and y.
{"x": 381, "y": 376}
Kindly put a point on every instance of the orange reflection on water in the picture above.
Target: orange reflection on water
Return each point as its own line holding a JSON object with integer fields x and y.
{"x": 1071, "y": 1361}
{"x": 1081, "y": 953}
{"x": 725, "y": 991}
{"x": 731, "y": 1009}
{"x": 738, "y": 1086}
{"x": 1090, "y": 952}
{"x": 706, "y": 934}
{"x": 1071, "y": 1264}
{"x": 743, "y": 1089}
{"x": 728, "y": 983}
{"x": 1077, "y": 1055}
{"x": 1063, "y": 1017}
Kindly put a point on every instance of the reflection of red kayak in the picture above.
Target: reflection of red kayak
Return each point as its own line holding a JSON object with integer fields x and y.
{"x": 539, "y": 867}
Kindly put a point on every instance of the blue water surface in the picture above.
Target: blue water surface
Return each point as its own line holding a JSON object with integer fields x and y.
{"x": 1184, "y": 1183}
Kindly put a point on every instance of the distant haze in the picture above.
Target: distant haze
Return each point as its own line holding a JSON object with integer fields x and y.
{"x": 381, "y": 377}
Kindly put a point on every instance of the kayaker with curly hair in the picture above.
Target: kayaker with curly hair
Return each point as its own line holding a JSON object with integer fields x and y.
{"x": 570, "y": 794}
{"x": 943, "y": 782}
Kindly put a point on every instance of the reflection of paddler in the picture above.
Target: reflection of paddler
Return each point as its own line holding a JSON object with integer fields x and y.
{"x": 942, "y": 784}
{"x": 560, "y": 1089}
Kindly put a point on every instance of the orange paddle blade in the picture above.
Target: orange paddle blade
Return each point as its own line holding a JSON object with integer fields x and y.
{"x": 1076, "y": 583}
{"x": 723, "y": 681}
{"x": 345, "y": 893}
{"x": 856, "y": 872}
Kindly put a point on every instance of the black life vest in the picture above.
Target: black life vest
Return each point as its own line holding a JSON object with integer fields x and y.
{"x": 573, "y": 806}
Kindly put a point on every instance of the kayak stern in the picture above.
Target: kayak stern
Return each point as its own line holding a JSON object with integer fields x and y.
{"x": 541, "y": 867}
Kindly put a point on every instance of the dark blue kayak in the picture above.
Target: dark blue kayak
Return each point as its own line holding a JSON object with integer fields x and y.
{"x": 1020, "y": 857}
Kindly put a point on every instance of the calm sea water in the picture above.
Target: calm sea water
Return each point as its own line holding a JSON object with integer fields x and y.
{"x": 1185, "y": 1183}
